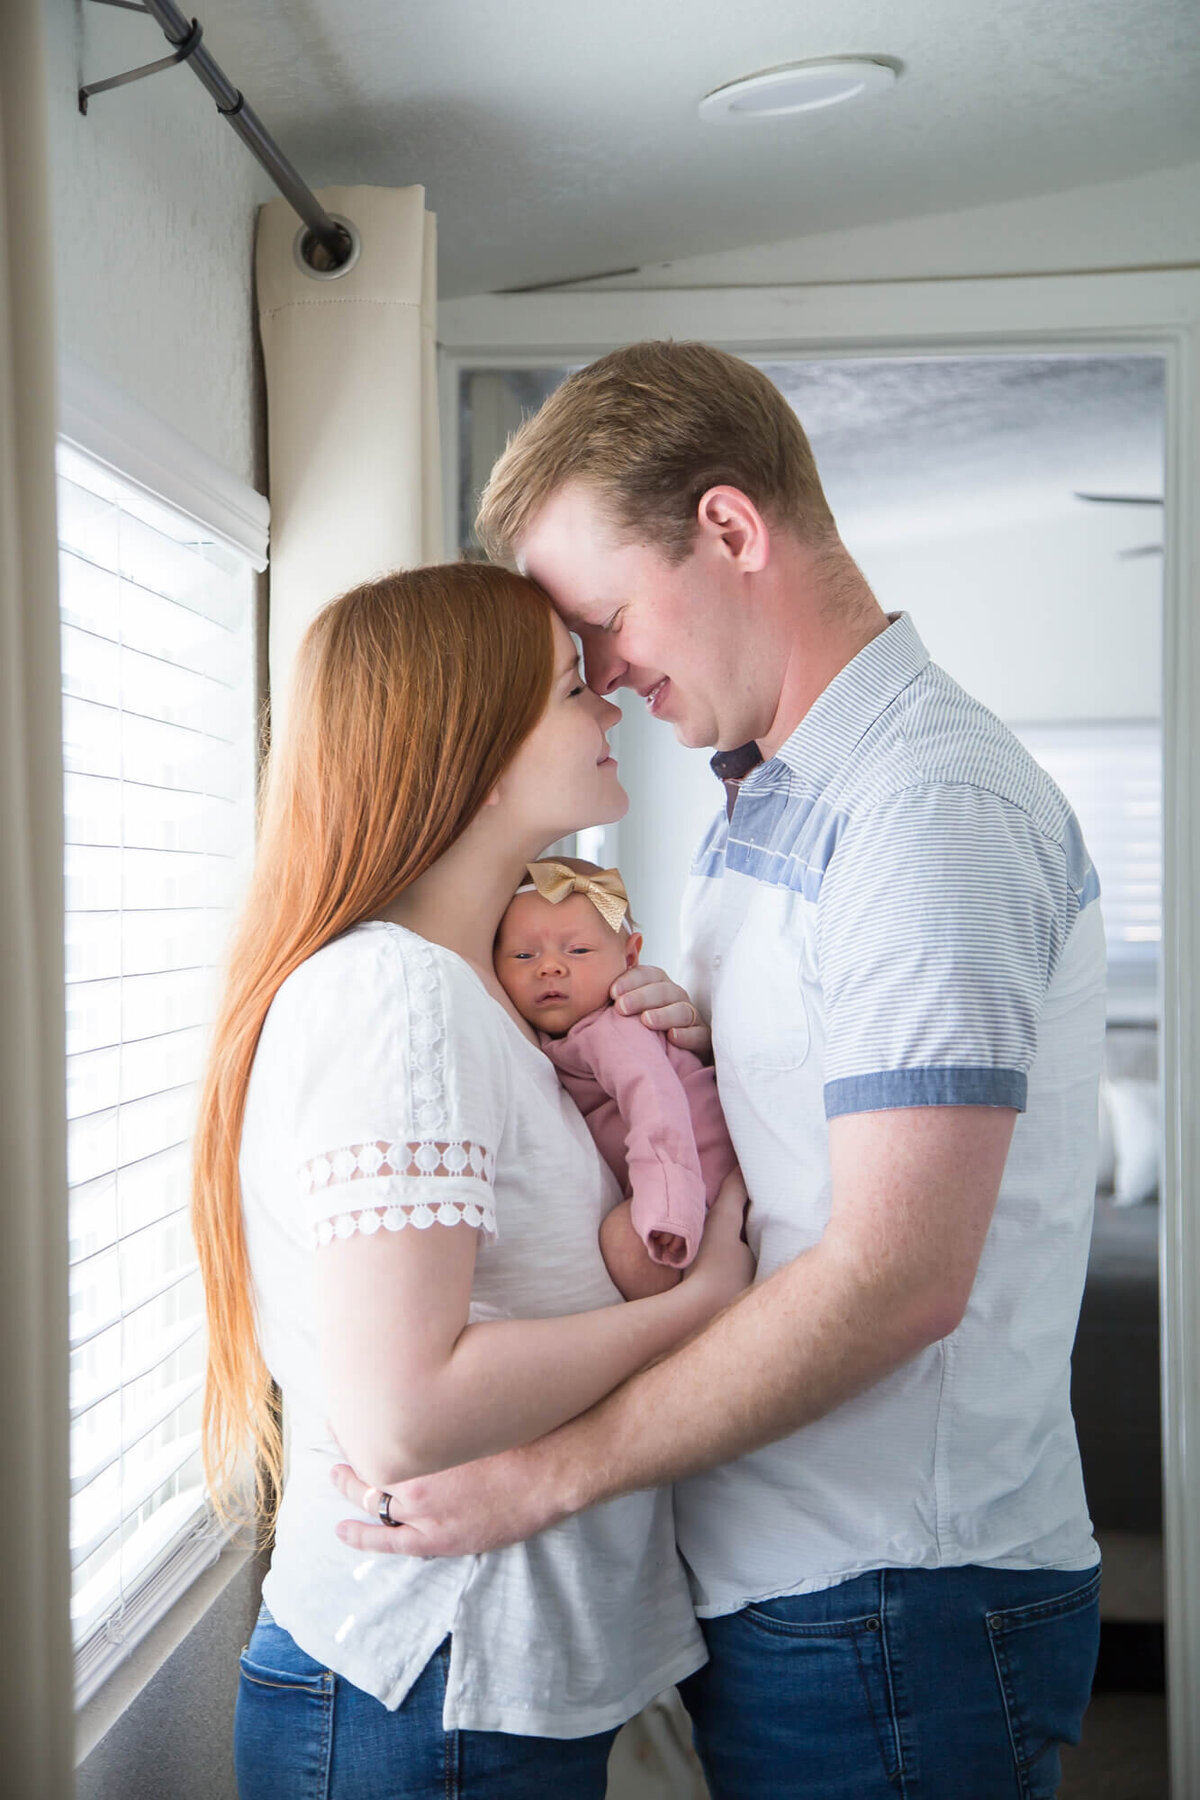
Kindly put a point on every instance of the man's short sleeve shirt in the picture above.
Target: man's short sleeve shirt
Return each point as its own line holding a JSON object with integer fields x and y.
{"x": 898, "y": 910}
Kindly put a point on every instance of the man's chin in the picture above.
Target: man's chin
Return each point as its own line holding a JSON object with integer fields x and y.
{"x": 693, "y": 738}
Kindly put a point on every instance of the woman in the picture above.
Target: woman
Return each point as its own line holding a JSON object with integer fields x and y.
{"x": 397, "y": 1211}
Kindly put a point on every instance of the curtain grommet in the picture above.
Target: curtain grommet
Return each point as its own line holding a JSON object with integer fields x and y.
{"x": 304, "y": 238}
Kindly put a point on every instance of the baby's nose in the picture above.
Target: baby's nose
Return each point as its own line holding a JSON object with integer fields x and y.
{"x": 552, "y": 964}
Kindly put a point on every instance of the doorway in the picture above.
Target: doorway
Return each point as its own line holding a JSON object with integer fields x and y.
{"x": 1014, "y": 507}
{"x": 1033, "y": 317}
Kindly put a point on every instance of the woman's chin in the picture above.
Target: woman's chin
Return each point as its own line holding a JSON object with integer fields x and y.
{"x": 618, "y": 810}
{"x": 613, "y": 806}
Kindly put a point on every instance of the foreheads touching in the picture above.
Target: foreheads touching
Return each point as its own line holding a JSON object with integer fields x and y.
{"x": 667, "y": 500}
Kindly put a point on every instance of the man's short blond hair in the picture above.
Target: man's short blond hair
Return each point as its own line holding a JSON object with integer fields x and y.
{"x": 650, "y": 429}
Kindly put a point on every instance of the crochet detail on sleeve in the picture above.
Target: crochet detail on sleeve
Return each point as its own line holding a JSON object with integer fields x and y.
{"x": 363, "y": 1162}
{"x": 410, "y": 1161}
{"x": 431, "y": 1151}
{"x": 426, "y": 1041}
{"x": 401, "y": 1213}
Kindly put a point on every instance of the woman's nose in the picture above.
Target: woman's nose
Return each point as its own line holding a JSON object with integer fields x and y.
{"x": 607, "y": 714}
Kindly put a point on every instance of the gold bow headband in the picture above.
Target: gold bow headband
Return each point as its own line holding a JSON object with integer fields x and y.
{"x": 606, "y": 891}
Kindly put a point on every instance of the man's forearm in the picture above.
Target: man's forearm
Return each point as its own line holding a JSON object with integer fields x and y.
{"x": 914, "y": 1193}
{"x": 785, "y": 1353}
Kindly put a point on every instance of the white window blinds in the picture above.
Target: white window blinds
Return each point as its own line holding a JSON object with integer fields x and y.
{"x": 158, "y": 746}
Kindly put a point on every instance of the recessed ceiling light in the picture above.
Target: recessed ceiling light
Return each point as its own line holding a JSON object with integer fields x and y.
{"x": 800, "y": 87}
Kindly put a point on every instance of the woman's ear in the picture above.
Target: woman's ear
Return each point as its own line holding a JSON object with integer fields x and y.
{"x": 493, "y": 798}
{"x": 633, "y": 949}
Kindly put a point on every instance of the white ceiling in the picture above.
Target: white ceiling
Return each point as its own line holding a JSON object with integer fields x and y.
{"x": 903, "y": 441}
{"x": 559, "y": 139}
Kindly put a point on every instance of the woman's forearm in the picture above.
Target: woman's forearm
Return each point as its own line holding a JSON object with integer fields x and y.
{"x": 509, "y": 1381}
{"x": 412, "y": 1389}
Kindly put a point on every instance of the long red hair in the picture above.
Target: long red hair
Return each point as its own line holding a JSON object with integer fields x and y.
{"x": 409, "y": 697}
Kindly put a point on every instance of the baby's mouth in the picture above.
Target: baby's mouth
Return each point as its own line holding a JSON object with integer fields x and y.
{"x": 549, "y": 999}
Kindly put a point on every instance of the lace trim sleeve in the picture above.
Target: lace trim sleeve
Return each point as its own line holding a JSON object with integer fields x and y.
{"x": 404, "y": 1163}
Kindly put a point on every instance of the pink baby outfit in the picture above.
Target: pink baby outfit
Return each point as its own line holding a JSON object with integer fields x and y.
{"x": 654, "y": 1113}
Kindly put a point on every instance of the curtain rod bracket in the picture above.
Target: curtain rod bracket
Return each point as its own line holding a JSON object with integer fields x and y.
{"x": 185, "y": 51}
{"x": 336, "y": 242}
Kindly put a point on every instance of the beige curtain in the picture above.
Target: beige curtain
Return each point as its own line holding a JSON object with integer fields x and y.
{"x": 355, "y": 484}
{"x": 36, "y": 1711}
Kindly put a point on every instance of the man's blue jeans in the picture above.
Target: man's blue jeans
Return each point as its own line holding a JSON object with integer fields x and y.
{"x": 303, "y": 1733}
{"x": 904, "y": 1684}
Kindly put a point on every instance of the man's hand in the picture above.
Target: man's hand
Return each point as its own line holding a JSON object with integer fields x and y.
{"x": 663, "y": 1006}
{"x": 477, "y": 1506}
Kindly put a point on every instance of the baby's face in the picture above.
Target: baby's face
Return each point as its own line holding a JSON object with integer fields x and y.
{"x": 557, "y": 963}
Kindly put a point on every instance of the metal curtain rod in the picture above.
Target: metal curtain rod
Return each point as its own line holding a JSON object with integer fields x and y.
{"x": 336, "y": 242}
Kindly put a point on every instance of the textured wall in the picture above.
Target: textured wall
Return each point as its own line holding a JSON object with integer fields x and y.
{"x": 154, "y": 206}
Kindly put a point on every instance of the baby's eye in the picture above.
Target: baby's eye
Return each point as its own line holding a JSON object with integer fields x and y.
{"x": 614, "y": 624}
{"x": 582, "y": 950}
{"x": 521, "y": 955}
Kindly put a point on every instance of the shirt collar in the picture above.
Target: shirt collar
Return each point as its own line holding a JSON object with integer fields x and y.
{"x": 857, "y": 696}
{"x": 735, "y": 765}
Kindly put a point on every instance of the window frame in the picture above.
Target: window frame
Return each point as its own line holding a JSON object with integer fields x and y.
{"x": 144, "y": 453}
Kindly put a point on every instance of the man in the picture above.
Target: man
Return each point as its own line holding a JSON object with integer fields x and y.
{"x": 893, "y": 925}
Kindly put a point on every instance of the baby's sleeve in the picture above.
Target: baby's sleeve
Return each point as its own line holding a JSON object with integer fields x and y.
{"x": 665, "y": 1179}
{"x": 400, "y": 1091}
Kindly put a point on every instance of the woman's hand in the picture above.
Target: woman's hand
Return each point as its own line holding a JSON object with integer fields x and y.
{"x": 664, "y": 1006}
{"x": 724, "y": 1264}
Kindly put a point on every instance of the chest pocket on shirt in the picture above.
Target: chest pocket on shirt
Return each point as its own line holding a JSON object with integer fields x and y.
{"x": 759, "y": 1008}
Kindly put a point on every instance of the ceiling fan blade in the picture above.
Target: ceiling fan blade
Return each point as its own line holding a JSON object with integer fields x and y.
{"x": 1139, "y": 550}
{"x": 1121, "y": 499}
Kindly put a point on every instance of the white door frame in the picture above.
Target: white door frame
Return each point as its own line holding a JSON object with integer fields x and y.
{"x": 1121, "y": 313}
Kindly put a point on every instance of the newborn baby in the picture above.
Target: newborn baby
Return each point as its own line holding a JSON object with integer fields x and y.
{"x": 651, "y": 1107}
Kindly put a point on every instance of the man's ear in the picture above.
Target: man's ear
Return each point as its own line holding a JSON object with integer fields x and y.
{"x": 633, "y": 949}
{"x": 730, "y": 518}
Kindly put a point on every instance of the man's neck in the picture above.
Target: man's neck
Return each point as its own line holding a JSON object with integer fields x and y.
{"x": 829, "y": 628}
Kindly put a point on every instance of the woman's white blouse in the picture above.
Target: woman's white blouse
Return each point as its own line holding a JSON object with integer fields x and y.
{"x": 391, "y": 1092}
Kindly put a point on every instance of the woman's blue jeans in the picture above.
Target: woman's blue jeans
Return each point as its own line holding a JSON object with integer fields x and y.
{"x": 303, "y": 1733}
{"x": 904, "y": 1684}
